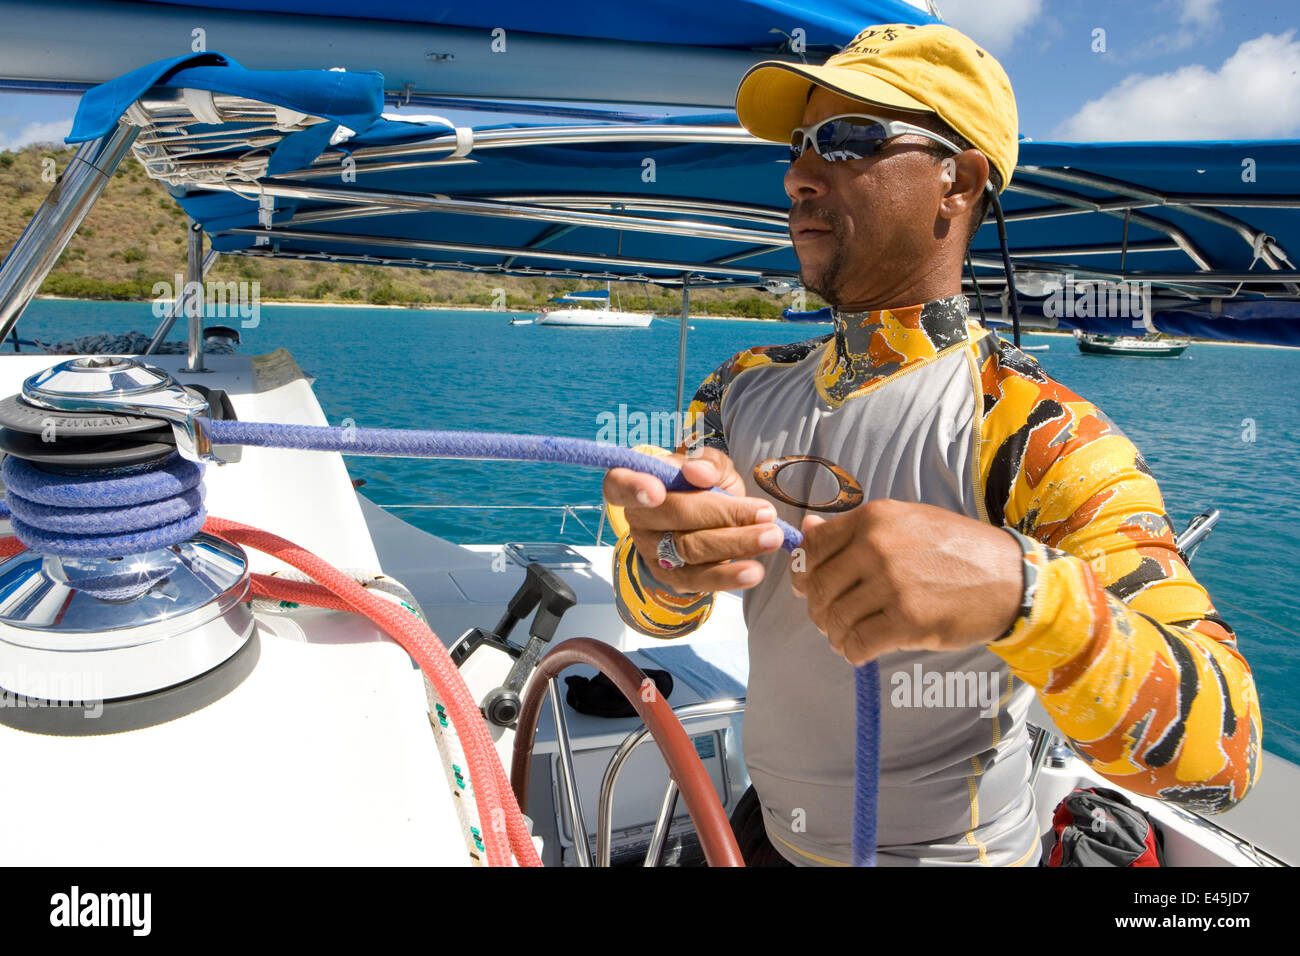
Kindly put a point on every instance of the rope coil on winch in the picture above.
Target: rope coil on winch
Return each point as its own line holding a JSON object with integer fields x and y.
{"x": 90, "y": 513}
{"x": 105, "y": 513}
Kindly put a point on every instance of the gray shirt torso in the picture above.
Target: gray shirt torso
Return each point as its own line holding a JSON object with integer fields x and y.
{"x": 953, "y": 782}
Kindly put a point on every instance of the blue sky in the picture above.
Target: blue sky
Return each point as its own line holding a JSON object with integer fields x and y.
{"x": 1171, "y": 69}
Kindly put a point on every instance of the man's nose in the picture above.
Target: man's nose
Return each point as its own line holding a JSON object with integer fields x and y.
{"x": 806, "y": 177}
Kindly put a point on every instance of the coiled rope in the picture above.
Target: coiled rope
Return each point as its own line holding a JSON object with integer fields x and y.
{"x": 77, "y": 517}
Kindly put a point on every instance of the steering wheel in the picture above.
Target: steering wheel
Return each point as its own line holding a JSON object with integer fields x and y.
{"x": 684, "y": 764}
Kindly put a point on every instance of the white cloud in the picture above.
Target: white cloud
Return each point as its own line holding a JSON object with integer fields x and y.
{"x": 1162, "y": 44}
{"x": 48, "y": 132}
{"x": 1254, "y": 95}
{"x": 1202, "y": 13}
{"x": 1195, "y": 19}
{"x": 995, "y": 25}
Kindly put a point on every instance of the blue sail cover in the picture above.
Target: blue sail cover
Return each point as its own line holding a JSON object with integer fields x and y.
{"x": 1254, "y": 173}
{"x": 737, "y": 24}
{"x": 354, "y": 100}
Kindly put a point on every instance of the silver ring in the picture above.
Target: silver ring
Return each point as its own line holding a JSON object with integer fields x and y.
{"x": 669, "y": 559}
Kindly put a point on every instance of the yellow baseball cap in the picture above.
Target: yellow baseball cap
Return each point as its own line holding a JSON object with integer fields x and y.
{"x": 925, "y": 69}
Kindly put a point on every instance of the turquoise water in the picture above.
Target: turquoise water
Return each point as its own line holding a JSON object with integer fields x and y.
{"x": 1219, "y": 426}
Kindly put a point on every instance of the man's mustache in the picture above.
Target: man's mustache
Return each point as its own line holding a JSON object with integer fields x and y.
{"x": 804, "y": 214}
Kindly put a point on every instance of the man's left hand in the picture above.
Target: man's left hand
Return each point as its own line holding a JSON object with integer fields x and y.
{"x": 892, "y": 575}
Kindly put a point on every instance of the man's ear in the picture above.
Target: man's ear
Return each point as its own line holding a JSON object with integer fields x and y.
{"x": 963, "y": 176}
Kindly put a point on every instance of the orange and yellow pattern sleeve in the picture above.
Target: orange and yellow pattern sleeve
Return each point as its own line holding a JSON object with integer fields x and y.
{"x": 1123, "y": 645}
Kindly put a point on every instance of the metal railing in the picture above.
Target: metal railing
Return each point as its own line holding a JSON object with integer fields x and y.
{"x": 668, "y": 806}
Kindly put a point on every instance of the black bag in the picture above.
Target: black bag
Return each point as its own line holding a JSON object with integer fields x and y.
{"x": 599, "y": 697}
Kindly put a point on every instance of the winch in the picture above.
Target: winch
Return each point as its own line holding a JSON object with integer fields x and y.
{"x": 121, "y": 609}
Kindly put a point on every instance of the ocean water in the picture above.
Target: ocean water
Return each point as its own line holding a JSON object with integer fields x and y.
{"x": 1220, "y": 427}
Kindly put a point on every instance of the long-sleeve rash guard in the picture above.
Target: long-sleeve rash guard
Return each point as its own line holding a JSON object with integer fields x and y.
{"x": 1120, "y": 642}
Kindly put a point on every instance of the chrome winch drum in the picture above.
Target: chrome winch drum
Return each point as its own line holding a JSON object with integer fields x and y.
{"x": 76, "y": 658}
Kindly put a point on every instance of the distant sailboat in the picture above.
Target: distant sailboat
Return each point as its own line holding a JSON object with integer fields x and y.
{"x": 601, "y": 316}
{"x": 1133, "y": 345}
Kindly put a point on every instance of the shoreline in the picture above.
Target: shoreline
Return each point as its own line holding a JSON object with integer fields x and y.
{"x": 301, "y": 303}
{"x": 298, "y": 303}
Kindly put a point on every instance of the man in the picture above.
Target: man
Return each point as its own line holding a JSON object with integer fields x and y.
{"x": 1011, "y": 540}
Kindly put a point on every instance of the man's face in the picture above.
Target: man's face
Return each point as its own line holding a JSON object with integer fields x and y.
{"x": 864, "y": 229}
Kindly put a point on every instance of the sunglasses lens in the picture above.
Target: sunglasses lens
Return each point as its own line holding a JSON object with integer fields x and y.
{"x": 839, "y": 139}
{"x": 846, "y": 139}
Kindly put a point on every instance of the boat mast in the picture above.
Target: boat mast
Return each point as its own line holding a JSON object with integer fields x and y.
{"x": 681, "y": 354}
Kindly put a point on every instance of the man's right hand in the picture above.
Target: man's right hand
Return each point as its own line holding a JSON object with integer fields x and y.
{"x": 716, "y": 534}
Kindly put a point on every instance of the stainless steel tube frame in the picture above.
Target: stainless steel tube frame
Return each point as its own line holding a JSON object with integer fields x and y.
{"x": 581, "y": 845}
{"x": 605, "y": 811}
{"x": 177, "y": 307}
{"x": 194, "y": 289}
{"x": 48, "y": 234}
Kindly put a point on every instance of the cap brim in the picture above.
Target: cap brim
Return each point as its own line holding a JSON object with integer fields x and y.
{"x": 771, "y": 97}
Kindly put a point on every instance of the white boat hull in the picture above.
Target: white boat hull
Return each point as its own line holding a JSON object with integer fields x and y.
{"x": 596, "y": 318}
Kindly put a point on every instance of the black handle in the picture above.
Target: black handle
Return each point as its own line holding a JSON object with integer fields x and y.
{"x": 543, "y": 587}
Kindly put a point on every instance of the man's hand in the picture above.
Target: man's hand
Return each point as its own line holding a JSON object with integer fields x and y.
{"x": 714, "y": 533}
{"x": 891, "y": 575}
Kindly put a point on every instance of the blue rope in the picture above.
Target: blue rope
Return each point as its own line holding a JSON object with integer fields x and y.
{"x": 866, "y": 764}
{"x": 119, "y": 513}
{"x": 106, "y": 513}
{"x": 489, "y": 446}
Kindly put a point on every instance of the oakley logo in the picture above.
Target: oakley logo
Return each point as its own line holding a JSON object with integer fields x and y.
{"x": 766, "y": 474}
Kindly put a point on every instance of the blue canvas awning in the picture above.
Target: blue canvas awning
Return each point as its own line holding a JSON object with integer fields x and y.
{"x": 738, "y": 24}
{"x": 670, "y": 53}
{"x": 647, "y": 201}
{"x": 696, "y": 200}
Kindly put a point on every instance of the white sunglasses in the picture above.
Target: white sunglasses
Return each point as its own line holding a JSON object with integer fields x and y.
{"x": 853, "y": 136}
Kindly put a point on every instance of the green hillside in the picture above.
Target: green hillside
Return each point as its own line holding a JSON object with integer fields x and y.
{"x": 135, "y": 236}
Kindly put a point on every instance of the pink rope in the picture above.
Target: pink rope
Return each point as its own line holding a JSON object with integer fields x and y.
{"x": 492, "y": 791}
